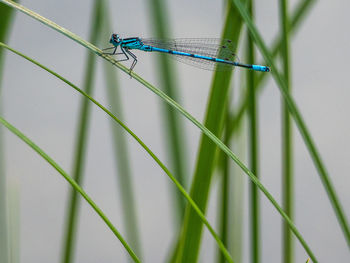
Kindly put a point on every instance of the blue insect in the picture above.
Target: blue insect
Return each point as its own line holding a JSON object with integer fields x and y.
{"x": 206, "y": 53}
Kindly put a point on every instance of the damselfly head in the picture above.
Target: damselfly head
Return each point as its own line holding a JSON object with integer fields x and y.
{"x": 115, "y": 40}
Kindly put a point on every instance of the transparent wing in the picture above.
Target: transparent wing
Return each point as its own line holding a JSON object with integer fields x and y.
{"x": 210, "y": 47}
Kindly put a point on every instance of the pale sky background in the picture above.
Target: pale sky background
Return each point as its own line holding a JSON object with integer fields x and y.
{"x": 46, "y": 110}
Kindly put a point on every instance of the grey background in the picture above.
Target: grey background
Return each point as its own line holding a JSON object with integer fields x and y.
{"x": 46, "y": 110}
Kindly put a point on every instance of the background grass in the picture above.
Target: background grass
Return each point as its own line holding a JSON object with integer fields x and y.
{"x": 224, "y": 111}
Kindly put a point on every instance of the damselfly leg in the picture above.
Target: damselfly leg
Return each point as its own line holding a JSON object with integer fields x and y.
{"x": 134, "y": 57}
{"x": 109, "y": 53}
{"x": 124, "y": 52}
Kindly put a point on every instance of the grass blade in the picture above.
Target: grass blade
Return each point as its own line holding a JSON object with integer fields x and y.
{"x": 6, "y": 14}
{"x": 171, "y": 102}
{"x": 72, "y": 182}
{"x": 81, "y": 143}
{"x": 14, "y": 220}
{"x": 124, "y": 173}
{"x": 287, "y": 153}
{"x": 223, "y": 201}
{"x": 253, "y": 151}
{"x": 174, "y": 127}
{"x": 155, "y": 158}
{"x": 192, "y": 227}
{"x": 299, "y": 122}
{"x": 298, "y": 16}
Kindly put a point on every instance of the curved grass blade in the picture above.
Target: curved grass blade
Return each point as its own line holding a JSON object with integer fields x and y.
{"x": 155, "y": 158}
{"x": 299, "y": 122}
{"x": 73, "y": 183}
{"x": 174, "y": 104}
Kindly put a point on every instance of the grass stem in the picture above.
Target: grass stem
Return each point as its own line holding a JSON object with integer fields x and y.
{"x": 72, "y": 218}
{"x": 287, "y": 151}
{"x": 253, "y": 151}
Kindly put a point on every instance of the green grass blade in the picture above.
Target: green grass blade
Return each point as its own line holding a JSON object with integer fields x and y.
{"x": 155, "y": 158}
{"x": 6, "y": 14}
{"x": 72, "y": 182}
{"x": 253, "y": 151}
{"x": 298, "y": 16}
{"x": 171, "y": 102}
{"x": 124, "y": 172}
{"x": 223, "y": 201}
{"x": 173, "y": 125}
{"x": 299, "y": 122}
{"x": 287, "y": 151}
{"x": 72, "y": 217}
{"x": 13, "y": 202}
{"x": 192, "y": 227}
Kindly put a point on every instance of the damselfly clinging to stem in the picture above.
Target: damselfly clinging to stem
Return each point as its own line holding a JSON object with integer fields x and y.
{"x": 206, "y": 53}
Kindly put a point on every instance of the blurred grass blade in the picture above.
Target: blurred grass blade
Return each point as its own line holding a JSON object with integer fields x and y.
{"x": 223, "y": 200}
{"x": 298, "y": 16}
{"x": 192, "y": 228}
{"x": 6, "y": 14}
{"x": 238, "y": 205}
{"x": 253, "y": 151}
{"x": 299, "y": 122}
{"x": 72, "y": 216}
{"x": 155, "y": 158}
{"x": 294, "y": 23}
{"x": 14, "y": 220}
{"x": 175, "y": 135}
{"x": 124, "y": 173}
{"x": 176, "y": 106}
{"x": 287, "y": 153}
{"x": 72, "y": 182}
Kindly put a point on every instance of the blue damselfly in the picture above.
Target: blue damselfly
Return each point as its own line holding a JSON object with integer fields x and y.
{"x": 206, "y": 53}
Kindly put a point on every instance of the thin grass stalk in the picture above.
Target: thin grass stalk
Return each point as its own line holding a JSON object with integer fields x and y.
{"x": 176, "y": 141}
{"x": 299, "y": 14}
{"x": 171, "y": 102}
{"x": 6, "y": 14}
{"x": 287, "y": 151}
{"x": 155, "y": 158}
{"x": 223, "y": 201}
{"x": 192, "y": 227}
{"x": 124, "y": 174}
{"x": 253, "y": 151}
{"x": 72, "y": 213}
{"x": 124, "y": 169}
{"x": 332, "y": 195}
{"x": 72, "y": 182}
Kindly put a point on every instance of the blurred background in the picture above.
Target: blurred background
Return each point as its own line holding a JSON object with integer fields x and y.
{"x": 47, "y": 111}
